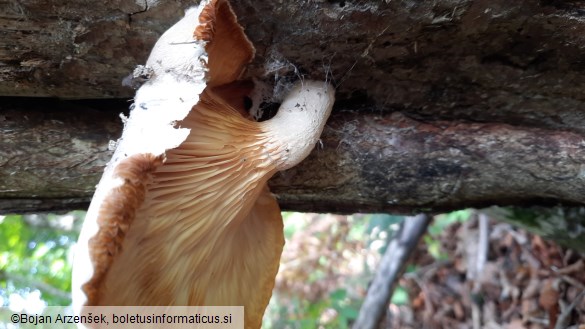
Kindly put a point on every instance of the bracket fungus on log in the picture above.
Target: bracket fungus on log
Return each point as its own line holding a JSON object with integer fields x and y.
{"x": 183, "y": 214}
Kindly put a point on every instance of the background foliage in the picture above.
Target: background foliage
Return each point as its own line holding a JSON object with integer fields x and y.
{"x": 327, "y": 264}
{"x": 35, "y": 258}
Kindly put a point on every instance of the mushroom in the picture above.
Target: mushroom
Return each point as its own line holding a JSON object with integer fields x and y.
{"x": 183, "y": 214}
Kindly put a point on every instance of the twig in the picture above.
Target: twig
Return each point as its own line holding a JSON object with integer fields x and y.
{"x": 391, "y": 264}
{"x": 429, "y": 307}
{"x": 428, "y": 271}
{"x": 576, "y": 267}
{"x": 565, "y": 317}
{"x": 483, "y": 244}
{"x": 44, "y": 287}
{"x": 573, "y": 282}
{"x": 481, "y": 257}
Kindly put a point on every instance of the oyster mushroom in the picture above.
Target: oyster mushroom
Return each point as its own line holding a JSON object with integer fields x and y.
{"x": 183, "y": 214}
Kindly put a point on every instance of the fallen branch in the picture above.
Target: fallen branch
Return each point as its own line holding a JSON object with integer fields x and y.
{"x": 392, "y": 262}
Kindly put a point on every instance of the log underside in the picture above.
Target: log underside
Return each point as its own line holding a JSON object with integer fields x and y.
{"x": 440, "y": 105}
{"x": 365, "y": 162}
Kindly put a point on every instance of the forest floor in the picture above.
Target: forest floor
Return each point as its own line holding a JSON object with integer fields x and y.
{"x": 462, "y": 275}
{"x": 523, "y": 282}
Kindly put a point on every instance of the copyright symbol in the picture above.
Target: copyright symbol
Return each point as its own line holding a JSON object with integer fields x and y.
{"x": 15, "y": 318}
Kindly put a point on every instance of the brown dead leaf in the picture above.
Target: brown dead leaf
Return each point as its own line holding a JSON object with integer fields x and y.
{"x": 549, "y": 295}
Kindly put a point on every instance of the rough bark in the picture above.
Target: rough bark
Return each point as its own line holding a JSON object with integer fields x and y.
{"x": 53, "y": 156}
{"x": 440, "y": 104}
{"x": 52, "y": 153}
{"x": 518, "y": 62}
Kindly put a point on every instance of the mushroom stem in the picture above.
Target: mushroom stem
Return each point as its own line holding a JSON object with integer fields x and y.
{"x": 296, "y": 128}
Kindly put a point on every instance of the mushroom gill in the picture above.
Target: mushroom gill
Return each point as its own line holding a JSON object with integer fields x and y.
{"x": 183, "y": 214}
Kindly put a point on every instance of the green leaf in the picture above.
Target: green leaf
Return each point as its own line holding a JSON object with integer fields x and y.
{"x": 400, "y": 296}
{"x": 339, "y": 294}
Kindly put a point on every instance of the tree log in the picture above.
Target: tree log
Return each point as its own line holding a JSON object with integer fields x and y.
{"x": 516, "y": 62}
{"x": 440, "y": 105}
{"x": 52, "y": 154}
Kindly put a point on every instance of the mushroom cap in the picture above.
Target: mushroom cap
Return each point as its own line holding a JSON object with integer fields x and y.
{"x": 181, "y": 70}
{"x": 208, "y": 231}
{"x": 183, "y": 214}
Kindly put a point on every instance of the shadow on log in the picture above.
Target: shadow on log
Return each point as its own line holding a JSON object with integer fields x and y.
{"x": 365, "y": 162}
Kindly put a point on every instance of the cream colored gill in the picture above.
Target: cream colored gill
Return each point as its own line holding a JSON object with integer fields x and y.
{"x": 160, "y": 102}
